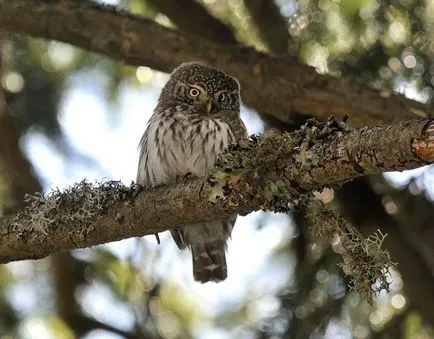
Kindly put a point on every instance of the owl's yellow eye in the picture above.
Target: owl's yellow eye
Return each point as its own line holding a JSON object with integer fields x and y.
{"x": 194, "y": 92}
{"x": 222, "y": 97}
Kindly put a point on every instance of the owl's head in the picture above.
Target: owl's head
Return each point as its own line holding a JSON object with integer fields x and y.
{"x": 207, "y": 90}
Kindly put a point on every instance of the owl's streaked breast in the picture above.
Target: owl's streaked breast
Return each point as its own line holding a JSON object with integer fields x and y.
{"x": 176, "y": 144}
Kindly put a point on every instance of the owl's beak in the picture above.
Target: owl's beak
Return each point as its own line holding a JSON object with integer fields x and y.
{"x": 209, "y": 106}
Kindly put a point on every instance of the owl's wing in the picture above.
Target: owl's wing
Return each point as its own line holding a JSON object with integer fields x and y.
{"x": 178, "y": 237}
{"x": 231, "y": 223}
{"x": 238, "y": 128}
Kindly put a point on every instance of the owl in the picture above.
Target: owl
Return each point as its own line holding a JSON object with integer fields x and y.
{"x": 196, "y": 118}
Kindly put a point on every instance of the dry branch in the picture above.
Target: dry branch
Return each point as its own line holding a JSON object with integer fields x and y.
{"x": 265, "y": 173}
{"x": 275, "y": 86}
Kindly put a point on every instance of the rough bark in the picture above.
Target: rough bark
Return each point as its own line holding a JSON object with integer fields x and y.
{"x": 275, "y": 86}
{"x": 265, "y": 173}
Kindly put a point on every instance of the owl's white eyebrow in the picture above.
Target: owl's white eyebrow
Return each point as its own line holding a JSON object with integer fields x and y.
{"x": 197, "y": 87}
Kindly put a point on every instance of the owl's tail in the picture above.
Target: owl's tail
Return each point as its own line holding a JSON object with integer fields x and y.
{"x": 209, "y": 261}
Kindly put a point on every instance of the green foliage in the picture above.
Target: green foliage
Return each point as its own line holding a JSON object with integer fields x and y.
{"x": 382, "y": 43}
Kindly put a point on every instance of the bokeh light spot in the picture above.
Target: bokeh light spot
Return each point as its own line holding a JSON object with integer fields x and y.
{"x": 398, "y": 301}
{"x": 409, "y": 61}
{"x": 397, "y": 32}
{"x": 144, "y": 74}
{"x": 12, "y": 82}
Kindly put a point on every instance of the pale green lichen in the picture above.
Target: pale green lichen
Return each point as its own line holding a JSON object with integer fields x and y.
{"x": 258, "y": 163}
{"x": 363, "y": 260}
{"x": 83, "y": 203}
{"x": 218, "y": 180}
{"x": 313, "y": 133}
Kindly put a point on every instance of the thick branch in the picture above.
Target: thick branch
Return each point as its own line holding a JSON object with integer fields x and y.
{"x": 266, "y": 173}
{"x": 274, "y": 86}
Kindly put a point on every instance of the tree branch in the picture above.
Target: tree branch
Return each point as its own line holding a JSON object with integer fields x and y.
{"x": 15, "y": 167}
{"x": 264, "y": 173}
{"x": 204, "y": 24}
{"x": 271, "y": 24}
{"x": 274, "y": 86}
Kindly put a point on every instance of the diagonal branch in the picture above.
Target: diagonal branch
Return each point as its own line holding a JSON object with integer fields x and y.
{"x": 14, "y": 165}
{"x": 271, "y": 24}
{"x": 203, "y": 24}
{"x": 275, "y": 86}
{"x": 264, "y": 173}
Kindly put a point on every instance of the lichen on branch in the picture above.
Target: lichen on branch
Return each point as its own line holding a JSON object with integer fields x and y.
{"x": 267, "y": 172}
{"x": 363, "y": 260}
{"x": 81, "y": 204}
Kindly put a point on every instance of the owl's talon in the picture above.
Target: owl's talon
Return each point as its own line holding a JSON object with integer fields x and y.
{"x": 185, "y": 178}
{"x": 157, "y": 237}
{"x": 188, "y": 175}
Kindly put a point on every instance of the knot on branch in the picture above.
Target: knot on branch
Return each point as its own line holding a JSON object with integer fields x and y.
{"x": 424, "y": 146}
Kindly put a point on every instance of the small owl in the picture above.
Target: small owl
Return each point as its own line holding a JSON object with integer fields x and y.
{"x": 196, "y": 118}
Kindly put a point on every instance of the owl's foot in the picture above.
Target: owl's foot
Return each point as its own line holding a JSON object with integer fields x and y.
{"x": 185, "y": 178}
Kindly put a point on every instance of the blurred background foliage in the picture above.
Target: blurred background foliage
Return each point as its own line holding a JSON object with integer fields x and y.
{"x": 99, "y": 293}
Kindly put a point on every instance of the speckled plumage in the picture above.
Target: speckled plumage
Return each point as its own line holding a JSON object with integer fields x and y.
{"x": 196, "y": 118}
